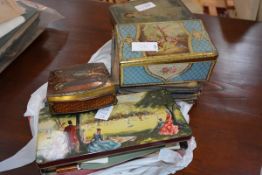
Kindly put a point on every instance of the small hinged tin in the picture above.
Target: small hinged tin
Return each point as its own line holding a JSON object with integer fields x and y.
{"x": 149, "y": 11}
{"x": 185, "y": 53}
{"x": 80, "y": 88}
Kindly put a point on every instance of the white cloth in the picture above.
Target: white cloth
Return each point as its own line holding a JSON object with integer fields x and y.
{"x": 10, "y": 25}
{"x": 103, "y": 55}
{"x": 159, "y": 164}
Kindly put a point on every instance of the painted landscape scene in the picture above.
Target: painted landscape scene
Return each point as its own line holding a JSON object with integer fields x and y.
{"x": 137, "y": 119}
{"x": 172, "y": 38}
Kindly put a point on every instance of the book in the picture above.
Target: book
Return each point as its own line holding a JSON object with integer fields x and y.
{"x": 189, "y": 95}
{"x": 91, "y": 166}
{"x": 20, "y": 45}
{"x": 138, "y": 121}
{"x": 30, "y": 15}
{"x": 179, "y": 88}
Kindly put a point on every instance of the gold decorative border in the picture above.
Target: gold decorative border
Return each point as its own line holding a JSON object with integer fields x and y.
{"x": 83, "y": 96}
{"x": 165, "y": 59}
{"x": 121, "y": 76}
{"x": 211, "y": 69}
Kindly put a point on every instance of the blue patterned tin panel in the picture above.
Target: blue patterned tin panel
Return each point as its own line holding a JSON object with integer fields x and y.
{"x": 142, "y": 75}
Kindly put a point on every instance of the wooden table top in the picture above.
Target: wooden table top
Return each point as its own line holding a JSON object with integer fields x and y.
{"x": 226, "y": 121}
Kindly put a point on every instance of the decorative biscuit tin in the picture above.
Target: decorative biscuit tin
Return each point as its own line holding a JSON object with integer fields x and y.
{"x": 185, "y": 53}
{"x": 80, "y": 88}
{"x": 139, "y": 121}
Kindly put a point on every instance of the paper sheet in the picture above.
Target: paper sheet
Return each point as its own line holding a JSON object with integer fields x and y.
{"x": 145, "y": 6}
{"x": 152, "y": 165}
{"x": 10, "y": 25}
{"x": 144, "y": 46}
{"x": 104, "y": 113}
{"x": 47, "y": 15}
{"x": 9, "y": 9}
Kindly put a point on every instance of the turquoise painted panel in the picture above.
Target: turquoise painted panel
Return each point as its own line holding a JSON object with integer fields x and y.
{"x": 193, "y": 26}
{"x": 198, "y": 71}
{"x": 137, "y": 75}
{"x": 201, "y": 45}
{"x": 128, "y": 52}
{"x": 127, "y": 31}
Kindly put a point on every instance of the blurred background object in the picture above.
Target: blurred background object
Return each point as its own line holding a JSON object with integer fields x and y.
{"x": 242, "y": 9}
{"x": 249, "y": 9}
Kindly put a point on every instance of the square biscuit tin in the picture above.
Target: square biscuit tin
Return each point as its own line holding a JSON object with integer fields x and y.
{"x": 185, "y": 53}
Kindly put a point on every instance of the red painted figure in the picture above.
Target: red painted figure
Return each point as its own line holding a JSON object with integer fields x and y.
{"x": 168, "y": 128}
{"x": 72, "y": 136}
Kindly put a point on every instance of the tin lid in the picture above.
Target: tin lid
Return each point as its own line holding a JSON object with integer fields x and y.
{"x": 79, "y": 82}
{"x": 149, "y": 11}
{"x": 177, "y": 41}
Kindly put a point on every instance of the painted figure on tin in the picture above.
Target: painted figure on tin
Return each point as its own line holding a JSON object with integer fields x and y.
{"x": 98, "y": 144}
{"x": 71, "y": 132}
{"x": 168, "y": 128}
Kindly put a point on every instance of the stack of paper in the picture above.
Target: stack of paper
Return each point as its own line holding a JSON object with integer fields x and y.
{"x": 18, "y": 28}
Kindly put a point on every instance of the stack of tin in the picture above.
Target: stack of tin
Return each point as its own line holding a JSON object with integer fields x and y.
{"x": 160, "y": 45}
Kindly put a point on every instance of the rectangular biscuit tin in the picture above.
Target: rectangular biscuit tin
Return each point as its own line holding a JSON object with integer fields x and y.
{"x": 137, "y": 122}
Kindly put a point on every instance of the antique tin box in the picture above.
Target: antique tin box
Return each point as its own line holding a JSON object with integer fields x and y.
{"x": 149, "y": 11}
{"x": 184, "y": 53}
{"x": 138, "y": 122}
{"x": 80, "y": 88}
